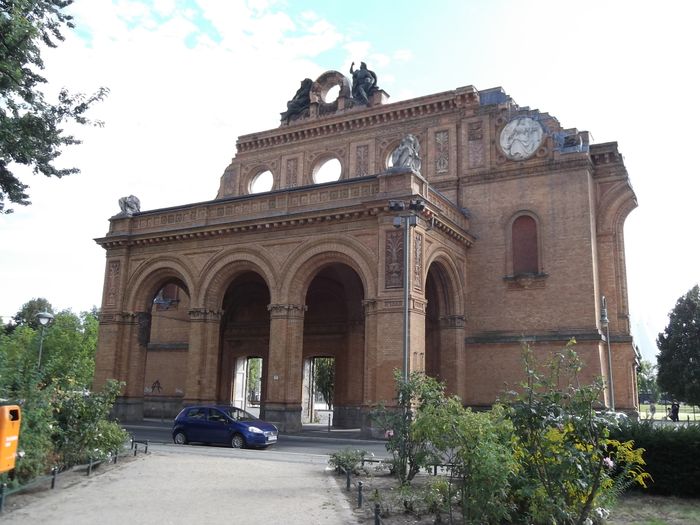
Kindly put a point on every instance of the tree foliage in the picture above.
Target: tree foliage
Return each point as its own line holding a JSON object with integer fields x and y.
{"x": 679, "y": 350}
{"x": 26, "y": 315}
{"x": 62, "y": 422}
{"x": 646, "y": 381}
{"x": 324, "y": 377}
{"x": 31, "y": 128}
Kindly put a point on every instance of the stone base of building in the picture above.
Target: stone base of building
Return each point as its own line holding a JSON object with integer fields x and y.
{"x": 287, "y": 418}
{"x": 128, "y": 409}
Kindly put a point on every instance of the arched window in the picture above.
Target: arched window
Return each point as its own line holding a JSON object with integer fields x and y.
{"x": 524, "y": 239}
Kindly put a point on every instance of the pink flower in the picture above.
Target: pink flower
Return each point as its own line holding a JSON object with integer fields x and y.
{"x": 389, "y": 434}
{"x": 608, "y": 463}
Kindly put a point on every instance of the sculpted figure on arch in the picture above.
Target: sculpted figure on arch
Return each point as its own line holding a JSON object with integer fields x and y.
{"x": 364, "y": 83}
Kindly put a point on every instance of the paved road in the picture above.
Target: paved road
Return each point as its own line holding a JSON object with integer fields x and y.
{"x": 313, "y": 440}
{"x": 174, "y": 485}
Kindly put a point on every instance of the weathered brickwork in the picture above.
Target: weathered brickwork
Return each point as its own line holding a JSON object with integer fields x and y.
{"x": 317, "y": 270}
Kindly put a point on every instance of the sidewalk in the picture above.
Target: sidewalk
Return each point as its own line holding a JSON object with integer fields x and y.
{"x": 172, "y": 488}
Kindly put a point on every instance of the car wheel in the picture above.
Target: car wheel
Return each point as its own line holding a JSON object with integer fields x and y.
{"x": 237, "y": 441}
{"x": 180, "y": 438}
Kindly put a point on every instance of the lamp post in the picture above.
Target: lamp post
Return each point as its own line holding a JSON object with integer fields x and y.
{"x": 604, "y": 321}
{"x": 45, "y": 319}
{"x": 406, "y": 220}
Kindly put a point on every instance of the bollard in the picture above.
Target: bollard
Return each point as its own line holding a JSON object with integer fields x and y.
{"x": 116, "y": 456}
{"x": 146, "y": 451}
{"x": 347, "y": 480}
{"x": 89, "y": 471}
{"x": 136, "y": 448}
{"x": 2, "y": 496}
{"x": 359, "y": 494}
{"x": 435, "y": 470}
{"x": 377, "y": 520}
{"x": 54, "y": 475}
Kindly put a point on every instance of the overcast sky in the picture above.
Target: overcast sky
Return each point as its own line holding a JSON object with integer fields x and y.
{"x": 187, "y": 77}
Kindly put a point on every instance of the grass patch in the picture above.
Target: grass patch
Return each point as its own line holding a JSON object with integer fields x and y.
{"x": 655, "y": 510}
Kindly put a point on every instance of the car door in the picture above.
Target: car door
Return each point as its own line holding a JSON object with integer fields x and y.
{"x": 217, "y": 427}
{"x": 195, "y": 423}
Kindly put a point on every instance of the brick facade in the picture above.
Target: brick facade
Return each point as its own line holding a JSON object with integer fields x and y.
{"x": 308, "y": 270}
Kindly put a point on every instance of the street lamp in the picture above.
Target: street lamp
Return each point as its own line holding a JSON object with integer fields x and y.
{"x": 45, "y": 319}
{"x": 604, "y": 321}
{"x": 406, "y": 220}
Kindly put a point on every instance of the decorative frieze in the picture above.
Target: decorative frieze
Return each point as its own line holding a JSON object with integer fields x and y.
{"x": 453, "y": 321}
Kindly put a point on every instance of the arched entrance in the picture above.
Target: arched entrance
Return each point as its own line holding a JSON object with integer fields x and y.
{"x": 245, "y": 327}
{"x": 334, "y": 327}
{"x": 443, "y": 329}
{"x": 164, "y": 329}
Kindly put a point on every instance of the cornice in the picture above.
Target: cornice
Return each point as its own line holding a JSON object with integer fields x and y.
{"x": 360, "y": 118}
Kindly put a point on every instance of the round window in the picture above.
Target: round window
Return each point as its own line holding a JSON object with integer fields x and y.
{"x": 262, "y": 182}
{"x": 331, "y": 94}
{"x": 328, "y": 171}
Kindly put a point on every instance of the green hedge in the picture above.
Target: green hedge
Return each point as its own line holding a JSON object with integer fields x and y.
{"x": 672, "y": 454}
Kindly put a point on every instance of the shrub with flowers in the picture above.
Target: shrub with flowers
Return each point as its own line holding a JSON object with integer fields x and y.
{"x": 569, "y": 467}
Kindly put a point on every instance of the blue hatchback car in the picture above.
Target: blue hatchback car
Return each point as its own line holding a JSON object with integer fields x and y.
{"x": 222, "y": 424}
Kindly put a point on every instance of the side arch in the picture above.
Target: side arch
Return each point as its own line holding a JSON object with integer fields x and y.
{"x": 450, "y": 271}
{"x": 304, "y": 262}
{"x": 145, "y": 282}
{"x": 222, "y": 269}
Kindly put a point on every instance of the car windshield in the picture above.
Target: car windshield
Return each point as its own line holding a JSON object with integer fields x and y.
{"x": 238, "y": 415}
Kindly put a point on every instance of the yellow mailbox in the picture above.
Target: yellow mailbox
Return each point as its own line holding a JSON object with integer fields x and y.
{"x": 10, "y": 420}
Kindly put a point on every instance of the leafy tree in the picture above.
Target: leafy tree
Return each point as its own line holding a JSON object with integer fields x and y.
{"x": 679, "y": 350}
{"x": 61, "y": 420}
{"x": 254, "y": 375}
{"x": 31, "y": 131}
{"x": 646, "y": 380}
{"x": 324, "y": 377}
{"x": 26, "y": 316}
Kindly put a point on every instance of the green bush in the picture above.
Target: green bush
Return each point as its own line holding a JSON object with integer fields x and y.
{"x": 569, "y": 466}
{"x": 347, "y": 459}
{"x": 82, "y": 430}
{"x": 672, "y": 455}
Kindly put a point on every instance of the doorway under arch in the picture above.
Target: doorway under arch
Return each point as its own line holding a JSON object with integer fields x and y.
{"x": 334, "y": 327}
{"x": 245, "y": 336}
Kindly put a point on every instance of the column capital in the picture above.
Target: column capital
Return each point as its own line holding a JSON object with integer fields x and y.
{"x": 287, "y": 310}
{"x": 453, "y": 321}
{"x": 205, "y": 315}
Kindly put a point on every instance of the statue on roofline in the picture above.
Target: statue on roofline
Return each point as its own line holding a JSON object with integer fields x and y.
{"x": 407, "y": 154}
{"x": 299, "y": 103}
{"x": 129, "y": 205}
{"x": 364, "y": 83}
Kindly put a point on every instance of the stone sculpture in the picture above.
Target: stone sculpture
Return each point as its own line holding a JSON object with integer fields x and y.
{"x": 407, "y": 154}
{"x": 299, "y": 103}
{"x": 364, "y": 83}
{"x": 129, "y": 205}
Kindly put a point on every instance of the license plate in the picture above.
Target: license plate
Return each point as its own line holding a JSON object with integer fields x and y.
{"x": 272, "y": 438}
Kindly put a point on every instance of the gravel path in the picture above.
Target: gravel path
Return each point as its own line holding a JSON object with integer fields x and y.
{"x": 171, "y": 488}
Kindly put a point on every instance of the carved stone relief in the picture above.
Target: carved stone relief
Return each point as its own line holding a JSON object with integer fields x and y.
{"x": 394, "y": 259}
{"x": 475, "y": 144}
{"x": 113, "y": 280}
{"x": 418, "y": 261}
{"x": 292, "y": 165}
{"x": 442, "y": 151}
{"x": 520, "y": 138}
{"x": 362, "y": 161}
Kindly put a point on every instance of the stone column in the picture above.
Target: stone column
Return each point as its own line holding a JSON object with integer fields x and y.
{"x": 282, "y": 404}
{"x": 203, "y": 357}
